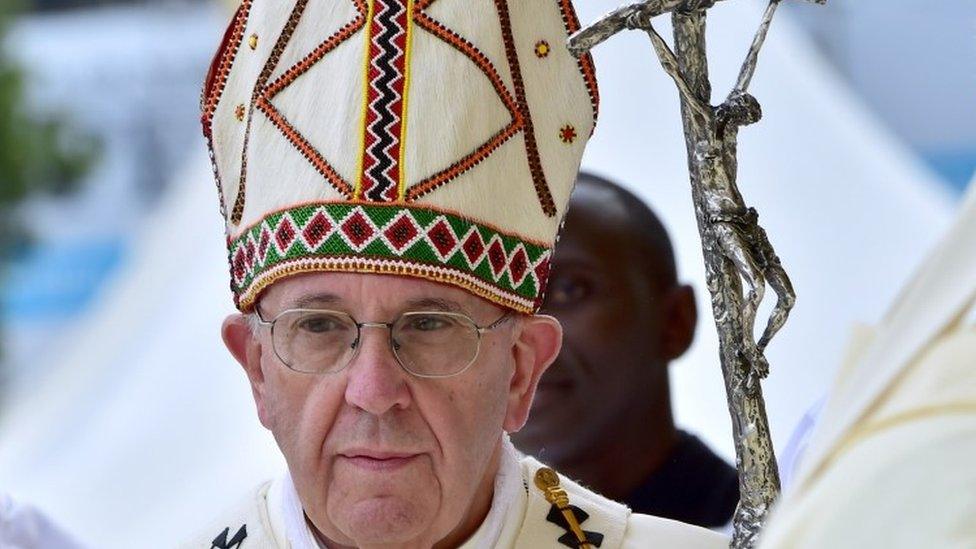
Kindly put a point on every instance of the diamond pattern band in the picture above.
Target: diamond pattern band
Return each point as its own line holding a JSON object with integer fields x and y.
{"x": 388, "y": 239}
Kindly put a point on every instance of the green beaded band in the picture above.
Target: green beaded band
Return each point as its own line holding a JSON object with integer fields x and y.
{"x": 388, "y": 239}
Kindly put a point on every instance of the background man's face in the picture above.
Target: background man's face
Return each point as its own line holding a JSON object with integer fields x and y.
{"x": 611, "y": 311}
{"x": 378, "y": 455}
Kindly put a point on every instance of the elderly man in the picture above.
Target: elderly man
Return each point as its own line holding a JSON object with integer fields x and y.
{"x": 393, "y": 175}
{"x": 602, "y": 413}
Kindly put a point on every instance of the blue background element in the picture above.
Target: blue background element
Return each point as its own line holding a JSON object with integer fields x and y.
{"x": 956, "y": 167}
{"x": 57, "y": 280}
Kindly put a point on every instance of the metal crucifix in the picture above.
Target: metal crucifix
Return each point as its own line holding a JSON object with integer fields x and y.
{"x": 736, "y": 248}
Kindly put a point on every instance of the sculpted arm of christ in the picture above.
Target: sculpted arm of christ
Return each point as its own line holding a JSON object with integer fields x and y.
{"x": 733, "y": 225}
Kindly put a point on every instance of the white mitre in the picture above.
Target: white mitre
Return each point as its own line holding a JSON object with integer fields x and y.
{"x": 431, "y": 138}
{"x": 893, "y": 460}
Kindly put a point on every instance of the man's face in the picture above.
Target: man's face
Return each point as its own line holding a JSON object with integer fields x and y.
{"x": 378, "y": 455}
{"x": 611, "y": 310}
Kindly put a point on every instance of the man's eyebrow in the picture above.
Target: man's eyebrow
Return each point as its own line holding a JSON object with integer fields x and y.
{"x": 309, "y": 301}
{"x": 435, "y": 304}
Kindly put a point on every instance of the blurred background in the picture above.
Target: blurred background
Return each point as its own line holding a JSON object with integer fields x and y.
{"x": 121, "y": 414}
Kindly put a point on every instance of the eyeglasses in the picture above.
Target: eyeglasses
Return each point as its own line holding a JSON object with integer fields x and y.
{"x": 428, "y": 344}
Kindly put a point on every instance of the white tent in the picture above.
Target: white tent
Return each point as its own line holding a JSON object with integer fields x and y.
{"x": 144, "y": 427}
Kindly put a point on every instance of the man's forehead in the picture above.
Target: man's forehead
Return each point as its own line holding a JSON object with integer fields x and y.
{"x": 325, "y": 299}
{"x": 369, "y": 292}
{"x": 596, "y": 219}
{"x": 588, "y": 198}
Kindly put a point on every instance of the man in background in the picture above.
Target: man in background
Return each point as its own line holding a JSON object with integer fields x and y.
{"x": 602, "y": 413}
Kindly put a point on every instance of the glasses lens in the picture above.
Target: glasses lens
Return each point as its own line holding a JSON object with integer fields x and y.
{"x": 315, "y": 341}
{"x": 435, "y": 344}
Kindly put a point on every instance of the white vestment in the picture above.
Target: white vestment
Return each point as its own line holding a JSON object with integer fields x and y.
{"x": 893, "y": 460}
{"x": 272, "y": 518}
{"x": 24, "y": 527}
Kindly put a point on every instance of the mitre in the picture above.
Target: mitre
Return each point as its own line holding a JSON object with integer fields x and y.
{"x": 436, "y": 139}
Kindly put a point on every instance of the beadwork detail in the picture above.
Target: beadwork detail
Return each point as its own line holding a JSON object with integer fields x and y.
{"x": 375, "y": 237}
{"x": 239, "y": 112}
{"x": 295, "y": 137}
{"x": 480, "y": 60}
{"x": 542, "y": 49}
{"x": 265, "y": 95}
{"x": 252, "y": 41}
{"x": 585, "y": 62}
{"x": 216, "y": 81}
{"x": 567, "y": 134}
{"x": 237, "y": 211}
{"x": 385, "y": 102}
{"x": 213, "y": 88}
{"x": 528, "y": 130}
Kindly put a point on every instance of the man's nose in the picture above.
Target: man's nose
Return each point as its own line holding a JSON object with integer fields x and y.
{"x": 376, "y": 383}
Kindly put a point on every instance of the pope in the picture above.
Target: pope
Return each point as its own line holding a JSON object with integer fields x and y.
{"x": 393, "y": 175}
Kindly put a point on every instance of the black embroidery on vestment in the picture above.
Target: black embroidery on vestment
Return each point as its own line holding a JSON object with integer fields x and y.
{"x": 220, "y": 542}
{"x": 569, "y": 539}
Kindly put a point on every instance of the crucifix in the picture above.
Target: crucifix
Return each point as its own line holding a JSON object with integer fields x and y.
{"x": 737, "y": 252}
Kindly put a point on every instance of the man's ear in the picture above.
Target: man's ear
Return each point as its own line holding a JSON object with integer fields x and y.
{"x": 246, "y": 349}
{"x": 537, "y": 344}
{"x": 680, "y": 321}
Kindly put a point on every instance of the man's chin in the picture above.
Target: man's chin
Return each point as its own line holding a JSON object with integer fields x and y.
{"x": 385, "y": 520}
{"x": 383, "y": 501}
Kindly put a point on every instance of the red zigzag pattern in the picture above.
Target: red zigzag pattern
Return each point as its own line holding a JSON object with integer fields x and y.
{"x": 386, "y": 75}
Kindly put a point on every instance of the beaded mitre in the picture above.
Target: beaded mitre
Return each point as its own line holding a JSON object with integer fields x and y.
{"x": 428, "y": 138}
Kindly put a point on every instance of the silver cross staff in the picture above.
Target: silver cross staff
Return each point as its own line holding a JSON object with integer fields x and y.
{"x": 736, "y": 248}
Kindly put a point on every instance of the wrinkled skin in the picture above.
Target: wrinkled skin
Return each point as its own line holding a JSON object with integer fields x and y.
{"x": 381, "y": 458}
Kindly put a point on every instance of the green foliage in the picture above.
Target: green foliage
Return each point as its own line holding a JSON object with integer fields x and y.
{"x": 37, "y": 154}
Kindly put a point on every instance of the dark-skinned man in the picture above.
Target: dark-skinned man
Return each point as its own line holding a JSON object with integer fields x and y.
{"x": 602, "y": 413}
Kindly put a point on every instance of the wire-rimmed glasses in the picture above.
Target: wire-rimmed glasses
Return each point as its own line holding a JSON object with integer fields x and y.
{"x": 427, "y": 344}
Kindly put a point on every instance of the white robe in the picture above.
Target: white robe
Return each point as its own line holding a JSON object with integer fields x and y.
{"x": 24, "y": 527}
{"x": 893, "y": 460}
{"x": 517, "y": 519}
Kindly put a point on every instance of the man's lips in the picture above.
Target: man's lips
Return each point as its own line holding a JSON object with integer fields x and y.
{"x": 376, "y": 460}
